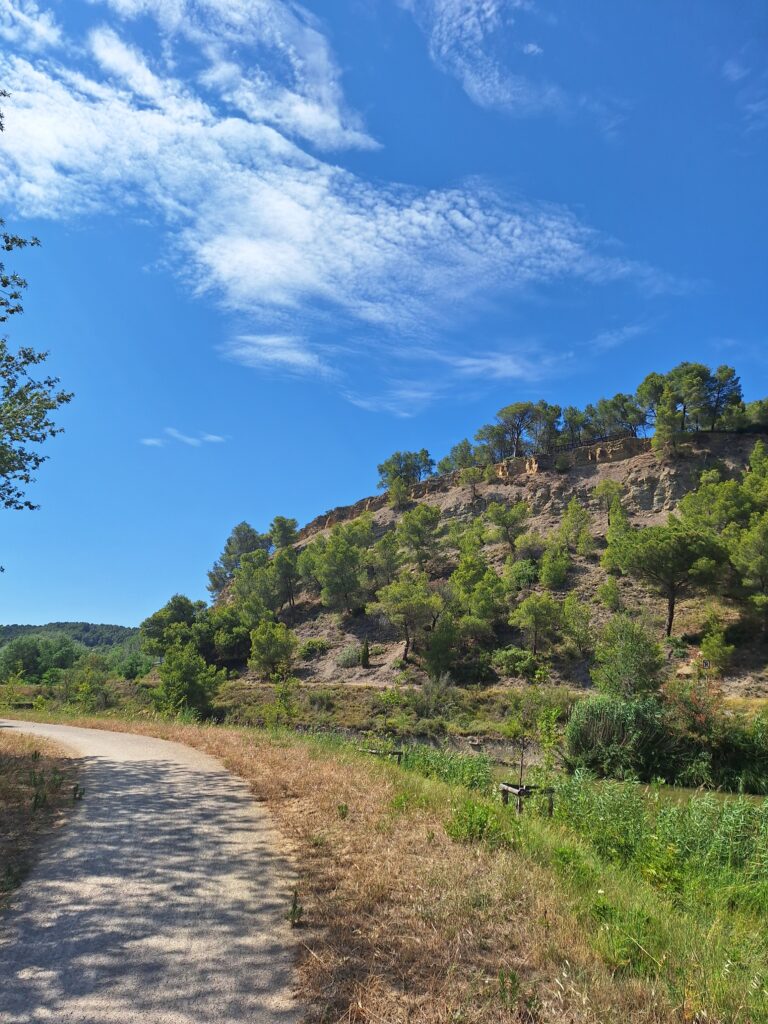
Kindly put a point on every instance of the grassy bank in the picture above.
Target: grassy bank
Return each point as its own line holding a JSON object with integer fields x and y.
{"x": 426, "y": 901}
{"x": 36, "y": 780}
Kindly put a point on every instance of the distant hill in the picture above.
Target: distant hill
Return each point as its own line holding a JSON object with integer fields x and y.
{"x": 91, "y": 634}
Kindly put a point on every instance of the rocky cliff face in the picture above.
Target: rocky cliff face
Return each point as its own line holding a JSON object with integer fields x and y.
{"x": 653, "y": 485}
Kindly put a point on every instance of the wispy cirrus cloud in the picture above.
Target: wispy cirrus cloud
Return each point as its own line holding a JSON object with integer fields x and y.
{"x": 171, "y": 434}
{"x": 268, "y": 60}
{"x": 288, "y": 241}
{"x": 746, "y": 72}
{"x": 486, "y": 45}
{"x": 289, "y": 353}
{"x": 616, "y": 336}
{"x": 467, "y": 39}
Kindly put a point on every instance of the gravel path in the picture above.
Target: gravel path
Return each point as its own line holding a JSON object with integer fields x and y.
{"x": 162, "y": 901}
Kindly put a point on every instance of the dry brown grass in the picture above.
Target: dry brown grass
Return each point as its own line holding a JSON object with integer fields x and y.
{"x": 29, "y": 765}
{"x": 401, "y": 924}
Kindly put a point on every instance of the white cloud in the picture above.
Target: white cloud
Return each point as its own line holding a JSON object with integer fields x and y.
{"x": 748, "y": 75}
{"x": 613, "y": 338}
{"x": 500, "y": 366}
{"x": 734, "y": 71}
{"x": 532, "y": 50}
{"x": 25, "y": 25}
{"x": 276, "y": 352}
{"x": 190, "y": 440}
{"x": 267, "y": 59}
{"x": 283, "y": 238}
{"x": 176, "y": 435}
{"x": 402, "y": 399}
{"x": 269, "y": 227}
{"x": 467, "y": 39}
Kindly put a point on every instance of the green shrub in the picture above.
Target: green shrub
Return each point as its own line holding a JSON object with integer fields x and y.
{"x": 609, "y": 595}
{"x": 715, "y": 650}
{"x": 186, "y": 682}
{"x": 618, "y": 738}
{"x": 515, "y": 661}
{"x": 612, "y": 815}
{"x": 521, "y": 575}
{"x": 312, "y": 648}
{"x": 350, "y": 657}
{"x": 530, "y": 545}
{"x": 629, "y": 660}
{"x": 475, "y": 771}
{"x": 473, "y": 821}
{"x": 273, "y": 647}
{"x": 555, "y": 564}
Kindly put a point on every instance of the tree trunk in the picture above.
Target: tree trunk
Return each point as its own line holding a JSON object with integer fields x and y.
{"x": 670, "y": 612}
{"x": 407, "y": 647}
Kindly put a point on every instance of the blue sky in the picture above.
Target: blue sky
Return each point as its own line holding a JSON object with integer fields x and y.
{"x": 281, "y": 241}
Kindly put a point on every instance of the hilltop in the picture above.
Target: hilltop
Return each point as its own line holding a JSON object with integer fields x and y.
{"x": 90, "y": 634}
{"x": 652, "y": 488}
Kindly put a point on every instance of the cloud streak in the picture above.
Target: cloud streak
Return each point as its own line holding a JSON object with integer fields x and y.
{"x": 276, "y": 351}
{"x": 171, "y": 434}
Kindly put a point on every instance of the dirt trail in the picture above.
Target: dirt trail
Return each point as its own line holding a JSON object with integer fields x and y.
{"x": 162, "y": 901}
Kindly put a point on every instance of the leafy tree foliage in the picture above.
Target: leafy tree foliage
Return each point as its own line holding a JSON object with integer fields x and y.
{"x": 462, "y": 456}
{"x": 471, "y": 477}
{"x": 749, "y": 552}
{"x": 31, "y": 657}
{"x": 398, "y": 493}
{"x": 538, "y": 616}
{"x": 417, "y": 533}
{"x": 169, "y": 624}
{"x": 186, "y": 682}
{"x": 575, "y": 525}
{"x": 273, "y": 649}
{"x": 26, "y": 402}
{"x": 242, "y": 541}
{"x": 555, "y": 566}
{"x": 669, "y": 559}
{"x": 507, "y": 521}
{"x": 477, "y": 590}
{"x": 577, "y": 624}
{"x": 628, "y": 660}
{"x": 384, "y": 560}
{"x": 90, "y": 634}
{"x": 607, "y": 492}
{"x": 283, "y": 532}
{"x": 409, "y": 604}
{"x": 254, "y": 587}
{"x": 336, "y": 566}
{"x": 409, "y": 467}
{"x": 691, "y": 397}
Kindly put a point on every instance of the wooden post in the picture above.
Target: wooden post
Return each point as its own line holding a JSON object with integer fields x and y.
{"x": 504, "y": 796}
{"x": 550, "y": 804}
{"x": 519, "y": 803}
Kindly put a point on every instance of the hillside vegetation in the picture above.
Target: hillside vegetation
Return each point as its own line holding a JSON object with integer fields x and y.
{"x": 563, "y": 572}
{"x": 89, "y": 634}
